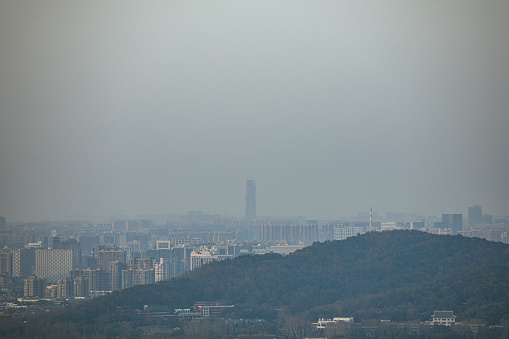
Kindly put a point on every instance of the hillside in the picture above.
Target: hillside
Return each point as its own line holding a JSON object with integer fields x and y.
{"x": 400, "y": 274}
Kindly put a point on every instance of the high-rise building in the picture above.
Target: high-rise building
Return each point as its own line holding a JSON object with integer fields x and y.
{"x": 81, "y": 287}
{"x": 139, "y": 263}
{"x": 117, "y": 225}
{"x": 115, "y": 272}
{"x": 98, "y": 280}
{"x": 162, "y": 270}
{"x": 494, "y": 235}
{"x": 34, "y": 287}
{"x": 105, "y": 257}
{"x": 6, "y": 262}
{"x": 70, "y": 244}
{"x": 65, "y": 288}
{"x": 53, "y": 265}
{"x": 342, "y": 233}
{"x": 475, "y": 215}
{"x": 23, "y": 262}
{"x": 453, "y": 221}
{"x": 136, "y": 277}
{"x": 88, "y": 242}
{"x": 250, "y": 200}
{"x": 181, "y": 260}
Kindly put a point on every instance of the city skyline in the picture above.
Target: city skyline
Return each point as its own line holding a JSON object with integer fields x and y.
{"x": 474, "y": 213}
{"x": 117, "y": 108}
{"x": 119, "y": 221}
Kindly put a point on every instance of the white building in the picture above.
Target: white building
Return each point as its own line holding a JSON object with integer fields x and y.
{"x": 200, "y": 258}
{"x": 389, "y": 226}
{"x": 323, "y": 323}
{"x": 446, "y": 318}
{"x": 341, "y": 233}
{"x": 53, "y": 265}
{"x": 162, "y": 270}
{"x": 285, "y": 249}
{"x": 441, "y": 231}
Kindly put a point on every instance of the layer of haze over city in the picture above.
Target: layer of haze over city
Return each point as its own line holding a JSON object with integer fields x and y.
{"x": 122, "y": 108}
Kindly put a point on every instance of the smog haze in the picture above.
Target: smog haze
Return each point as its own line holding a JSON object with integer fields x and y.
{"x": 125, "y": 108}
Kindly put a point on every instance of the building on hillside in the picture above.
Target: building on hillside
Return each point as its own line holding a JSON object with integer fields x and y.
{"x": 472, "y": 233}
{"x": 133, "y": 277}
{"x": 162, "y": 270}
{"x": 208, "y": 311}
{"x": 285, "y": 249}
{"x": 201, "y": 258}
{"x": 416, "y": 225}
{"x": 441, "y": 231}
{"x": 341, "y": 233}
{"x": 390, "y": 226}
{"x": 494, "y": 235}
{"x": 187, "y": 314}
{"x": 446, "y": 318}
{"x": 181, "y": 260}
{"x": 323, "y": 323}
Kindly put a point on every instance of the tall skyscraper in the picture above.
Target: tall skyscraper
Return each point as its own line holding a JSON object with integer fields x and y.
{"x": 250, "y": 200}
{"x": 475, "y": 215}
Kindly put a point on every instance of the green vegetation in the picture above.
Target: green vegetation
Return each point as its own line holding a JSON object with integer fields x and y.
{"x": 398, "y": 275}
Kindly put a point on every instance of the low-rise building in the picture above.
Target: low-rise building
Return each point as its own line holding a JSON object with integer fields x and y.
{"x": 342, "y": 233}
{"x": 446, "y": 318}
{"x": 323, "y": 323}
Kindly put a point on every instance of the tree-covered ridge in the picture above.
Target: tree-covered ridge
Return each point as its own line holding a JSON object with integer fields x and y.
{"x": 399, "y": 274}
{"x": 479, "y": 293}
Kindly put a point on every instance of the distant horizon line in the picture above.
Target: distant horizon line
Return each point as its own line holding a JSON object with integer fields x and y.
{"x": 168, "y": 216}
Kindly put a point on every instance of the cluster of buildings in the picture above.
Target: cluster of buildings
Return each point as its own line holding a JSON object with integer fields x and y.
{"x": 387, "y": 328}
{"x": 83, "y": 259}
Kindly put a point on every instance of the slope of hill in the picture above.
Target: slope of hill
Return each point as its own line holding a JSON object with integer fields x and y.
{"x": 366, "y": 276}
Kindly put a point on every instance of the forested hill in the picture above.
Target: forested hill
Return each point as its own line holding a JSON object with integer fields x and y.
{"x": 325, "y": 278}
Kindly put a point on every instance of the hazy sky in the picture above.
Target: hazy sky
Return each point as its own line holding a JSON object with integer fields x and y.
{"x": 134, "y": 107}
